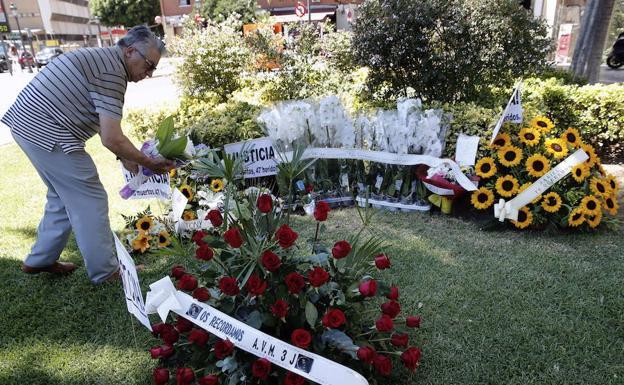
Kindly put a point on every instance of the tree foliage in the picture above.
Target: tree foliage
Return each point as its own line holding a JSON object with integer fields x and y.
{"x": 447, "y": 50}
{"x": 125, "y": 12}
{"x": 219, "y": 10}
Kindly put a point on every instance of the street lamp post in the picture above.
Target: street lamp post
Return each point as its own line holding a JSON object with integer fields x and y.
{"x": 99, "y": 38}
{"x": 19, "y": 30}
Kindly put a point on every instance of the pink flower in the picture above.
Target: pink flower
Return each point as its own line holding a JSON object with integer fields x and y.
{"x": 368, "y": 288}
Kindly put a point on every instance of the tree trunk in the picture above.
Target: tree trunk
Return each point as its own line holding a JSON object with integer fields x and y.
{"x": 580, "y": 50}
{"x": 601, "y": 29}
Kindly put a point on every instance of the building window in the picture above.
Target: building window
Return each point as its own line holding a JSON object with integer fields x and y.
{"x": 185, "y": 3}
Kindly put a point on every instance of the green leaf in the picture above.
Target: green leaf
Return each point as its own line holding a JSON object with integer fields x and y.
{"x": 311, "y": 313}
{"x": 165, "y": 131}
{"x": 340, "y": 341}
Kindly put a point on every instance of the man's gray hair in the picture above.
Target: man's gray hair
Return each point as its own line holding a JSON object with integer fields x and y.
{"x": 141, "y": 36}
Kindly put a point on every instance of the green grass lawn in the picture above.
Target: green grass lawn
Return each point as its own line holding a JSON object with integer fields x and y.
{"x": 498, "y": 307}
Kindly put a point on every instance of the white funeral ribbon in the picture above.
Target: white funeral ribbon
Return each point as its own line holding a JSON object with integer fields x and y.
{"x": 510, "y": 209}
{"x": 388, "y": 158}
{"x": 163, "y": 297}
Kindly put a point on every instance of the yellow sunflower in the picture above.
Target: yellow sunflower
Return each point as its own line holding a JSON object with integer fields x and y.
{"x": 530, "y": 136}
{"x": 537, "y": 165}
{"x": 501, "y": 140}
{"x": 590, "y": 205}
{"x": 525, "y": 218}
{"x": 610, "y": 205}
{"x": 600, "y": 187}
{"x": 172, "y": 173}
{"x": 593, "y": 220}
{"x": 509, "y": 156}
{"x": 187, "y": 191}
{"x": 524, "y": 187}
{"x": 589, "y": 149}
{"x": 164, "y": 239}
{"x": 188, "y": 215}
{"x": 485, "y": 167}
{"x": 482, "y": 198}
{"x": 551, "y": 202}
{"x": 580, "y": 172}
{"x": 542, "y": 123}
{"x": 145, "y": 224}
{"x": 506, "y": 186}
{"x": 612, "y": 182}
{"x": 141, "y": 242}
{"x": 216, "y": 185}
{"x": 576, "y": 217}
{"x": 572, "y": 137}
{"x": 556, "y": 147}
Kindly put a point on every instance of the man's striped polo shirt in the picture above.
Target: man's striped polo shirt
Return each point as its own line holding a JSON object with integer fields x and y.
{"x": 62, "y": 104}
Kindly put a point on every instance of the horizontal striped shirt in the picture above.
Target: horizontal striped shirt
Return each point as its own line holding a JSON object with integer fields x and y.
{"x": 63, "y": 102}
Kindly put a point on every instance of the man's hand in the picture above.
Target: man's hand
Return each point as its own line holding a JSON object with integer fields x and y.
{"x": 131, "y": 166}
{"x": 160, "y": 165}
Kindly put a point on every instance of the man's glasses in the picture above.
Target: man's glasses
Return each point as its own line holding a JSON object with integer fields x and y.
{"x": 151, "y": 67}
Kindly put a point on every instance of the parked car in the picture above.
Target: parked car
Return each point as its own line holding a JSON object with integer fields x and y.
{"x": 46, "y": 55}
{"x": 4, "y": 63}
{"x": 24, "y": 58}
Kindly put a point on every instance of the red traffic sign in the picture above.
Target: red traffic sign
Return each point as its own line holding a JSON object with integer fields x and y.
{"x": 300, "y": 9}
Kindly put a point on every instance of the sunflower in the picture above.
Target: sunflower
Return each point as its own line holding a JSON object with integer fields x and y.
{"x": 506, "y": 186}
{"x": 590, "y": 205}
{"x": 216, "y": 185}
{"x": 188, "y": 215}
{"x": 501, "y": 140}
{"x": 542, "y": 123}
{"x": 524, "y": 187}
{"x": 145, "y": 224}
{"x": 141, "y": 242}
{"x": 187, "y": 191}
{"x": 600, "y": 187}
{"x": 172, "y": 173}
{"x": 593, "y": 158}
{"x": 530, "y": 136}
{"x": 482, "y": 198}
{"x": 612, "y": 182}
{"x": 551, "y": 202}
{"x": 537, "y": 165}
{"x": 593, "y": 220}
{"x": 509, "y": 156}
{"x": 164, "y": 239}
{"x": 485, "y": 167}
{"x": 610, "y": 204}
{"x": 556, "y": 147}
{"x": 572, "y": 137}
{"x": 580, "y": 172}
{"x": 576, "y": 217}
{"x": 525, "y": 218}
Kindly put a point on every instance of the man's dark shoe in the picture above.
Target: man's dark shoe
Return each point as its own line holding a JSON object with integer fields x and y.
{"x": 58, "y": 268}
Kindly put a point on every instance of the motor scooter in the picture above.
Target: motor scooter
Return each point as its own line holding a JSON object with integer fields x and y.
{"x": 616, "y": 57}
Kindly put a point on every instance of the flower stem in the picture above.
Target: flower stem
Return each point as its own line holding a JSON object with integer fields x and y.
{"x": 318, "y": 224}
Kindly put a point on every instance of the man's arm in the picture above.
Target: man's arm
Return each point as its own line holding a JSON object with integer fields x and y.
{"x": 114, "y": 139}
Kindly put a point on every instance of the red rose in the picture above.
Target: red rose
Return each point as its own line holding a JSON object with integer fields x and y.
{"x": 318, "y": 276}
{"x": 184, "y": 376}
{"x": 280, "y": 308}
{"x": 334, "y": 318}
{"x": 309, "y": 187}
{"x": 413, "y": 321}
{"x": 183, "y": 325}
{"x": 301, "y": 338}
{"x": 382, "y": 364}
{"x": 177, "y": 271}
{"x": 391, "y": 308}
{"x": 229, "y": 286}
{"x": 199, "y": 337}
{"x": 411, "y": 358}
{"x": 201, "y": 294}
{"x": 293, "y": 379}
{"x": 368, "y": 288}
{"x": 341, "y": 249}
{"x": 198, "y": 238}
{"x": 399, "y": 339}
{"x": 265, "y": 203}
{"x": 223, "y": 349}
{"x": 204, "y": 253}
{"x": 393, "y": 294}
{"x": 155, "y": 352}
{"x": 271, "y": 261}
{"x": 382, "y": 261}
{"x": 233, "y": 237}
{"x": 161, "y": 376}
{"x": 214, "y": 216}
{"x": 261, "y": 368}
{"x": 170, "y": 336}
{"x": 210, "y": 379}
{"x": 295, "y": 282}
{"x": 166, "y": 351}
{"x": 366, "y": 354}
{"x": 157, "y": 329}
{"x": 187, "y": 283}
{"x": 384, "y": 324}
{"x": 285, "y": 236}
{"x": 255, "y": 285}
{"x": 320, "y": 211}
